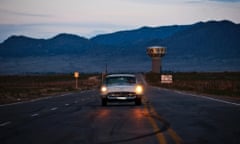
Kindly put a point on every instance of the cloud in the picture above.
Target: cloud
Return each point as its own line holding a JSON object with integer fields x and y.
{"x": 225, "y": 0}
{"x": 10, "y": 12}
{"x": 201, "y": 1}
{"x": 47, "y": 30}
{"x": 177, "y": 1}
{"x": 89, "y": 17}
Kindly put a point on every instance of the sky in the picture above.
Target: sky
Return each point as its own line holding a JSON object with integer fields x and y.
{"x": 88, "y": 18}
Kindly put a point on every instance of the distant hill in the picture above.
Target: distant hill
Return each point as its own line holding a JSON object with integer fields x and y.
{"x": 204, "y": 46}
{"x": 21, "y": 46}
{"x": 217, "y": 39}
{"x": 140, "y": 35}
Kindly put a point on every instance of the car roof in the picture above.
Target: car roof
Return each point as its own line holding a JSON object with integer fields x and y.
{"x": 121, "y": 75}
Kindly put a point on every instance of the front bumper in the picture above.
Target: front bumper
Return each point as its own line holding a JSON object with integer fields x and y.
{"x": 121, "y": 96}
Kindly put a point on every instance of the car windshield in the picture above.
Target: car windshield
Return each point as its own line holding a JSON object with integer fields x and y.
{"x": 120, "y": 80}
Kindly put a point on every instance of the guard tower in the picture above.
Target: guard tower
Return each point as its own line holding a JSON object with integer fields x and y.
{"x": 156, "y": 52}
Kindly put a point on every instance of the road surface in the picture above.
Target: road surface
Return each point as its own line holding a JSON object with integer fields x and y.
{"x": 166, "y": 117}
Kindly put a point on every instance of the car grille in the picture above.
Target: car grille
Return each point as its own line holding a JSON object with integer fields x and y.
{"x": 117, "y": 94}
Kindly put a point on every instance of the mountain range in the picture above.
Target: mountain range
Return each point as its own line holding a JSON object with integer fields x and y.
{"x": 203, "y": 46}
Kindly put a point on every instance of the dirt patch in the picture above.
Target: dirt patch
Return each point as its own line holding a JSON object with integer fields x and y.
{"x": 225, "y": 84}
{"x": 24, "y": 88}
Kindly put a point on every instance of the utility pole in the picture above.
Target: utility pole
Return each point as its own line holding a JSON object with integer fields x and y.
{"x": 106, "y": 69}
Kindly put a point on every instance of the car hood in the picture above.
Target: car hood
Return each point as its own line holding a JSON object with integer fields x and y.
{"x": 121, "y": 88}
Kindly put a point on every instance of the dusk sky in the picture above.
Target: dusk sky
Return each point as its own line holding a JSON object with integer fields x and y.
{"x": 47, "y": 18}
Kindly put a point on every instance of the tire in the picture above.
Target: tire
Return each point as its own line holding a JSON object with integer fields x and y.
{"x": 138, "y": 101}
{"x": 104, "y": 101}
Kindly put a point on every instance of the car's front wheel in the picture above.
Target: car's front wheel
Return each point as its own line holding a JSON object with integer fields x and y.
{"x": 104, "y": 101}
{"x": 138, "y": 101}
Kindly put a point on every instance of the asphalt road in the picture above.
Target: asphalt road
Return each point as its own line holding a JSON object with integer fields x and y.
{"x": 166, "y": 117}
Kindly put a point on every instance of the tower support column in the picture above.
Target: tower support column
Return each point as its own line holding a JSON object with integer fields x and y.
{"x": 156, "y": 64}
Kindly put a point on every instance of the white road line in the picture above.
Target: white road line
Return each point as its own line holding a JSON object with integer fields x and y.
{"x": 34, "y": 115}
{"x": 46, "y": 98}
{"x": 35, "y": 100}
{"x": 200, "y": 96}
{"x": 5, "y": 123}
{"x": 55, "y": 108}
{"x": 67, "y": 104}
{"x": 210, "y": 98}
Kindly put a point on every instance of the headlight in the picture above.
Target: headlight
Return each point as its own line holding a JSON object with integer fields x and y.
{"x": 103, "y": 89}
{"x": 139, "y": 89}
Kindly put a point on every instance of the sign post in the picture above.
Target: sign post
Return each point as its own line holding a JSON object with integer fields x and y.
{"x": 76, "y": 75}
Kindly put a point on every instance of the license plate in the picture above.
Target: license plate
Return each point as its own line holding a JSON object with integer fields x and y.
{"x": 121, "y": 98}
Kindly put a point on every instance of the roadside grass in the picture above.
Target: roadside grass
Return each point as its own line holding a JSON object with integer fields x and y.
{"x": 16, "y": 88}
{"x": 212, "y": 83}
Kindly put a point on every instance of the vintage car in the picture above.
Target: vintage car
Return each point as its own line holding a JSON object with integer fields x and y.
{"x": 121, "y": 87}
